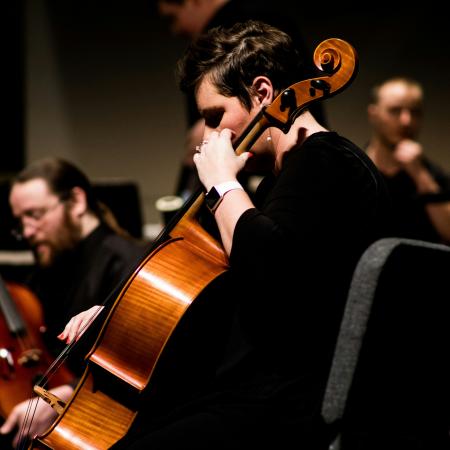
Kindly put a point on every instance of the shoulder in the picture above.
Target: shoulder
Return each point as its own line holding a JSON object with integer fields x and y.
{"x": 331, "y": 145}
{"x": 116, "y": 256}
{"x": 329, "y": 156}
{"x": 104, "y": 245}
{"x": 120, "y": 245}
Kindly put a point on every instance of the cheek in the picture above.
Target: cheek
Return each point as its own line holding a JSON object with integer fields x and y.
{"x": 51, "y": 233}
{"x": 239, "y": 123}
{"x": 387, "y": 122}
{"x": 53, "y": 228}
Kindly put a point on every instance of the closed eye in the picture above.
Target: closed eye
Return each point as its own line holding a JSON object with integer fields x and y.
{"x": 35, "y": 214}
{"x": 213, "y": 117}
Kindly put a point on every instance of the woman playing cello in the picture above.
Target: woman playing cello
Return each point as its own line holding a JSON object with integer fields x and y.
{"x": 291, "y": 252}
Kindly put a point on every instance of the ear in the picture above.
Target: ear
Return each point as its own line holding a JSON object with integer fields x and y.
{"x": 263, "y": 90}
{"x": 78, "y": 202}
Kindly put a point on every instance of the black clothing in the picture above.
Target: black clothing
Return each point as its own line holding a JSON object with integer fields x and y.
{"x": 232, "y": 12}
{"x": 410, "y": 218}
{"x": 291, "y": 263}
{"x": 79, "y": 280}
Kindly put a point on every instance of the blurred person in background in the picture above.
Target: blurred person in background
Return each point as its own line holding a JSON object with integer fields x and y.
{"x": 420, "y": 188}
{"x": 81, "y": 256}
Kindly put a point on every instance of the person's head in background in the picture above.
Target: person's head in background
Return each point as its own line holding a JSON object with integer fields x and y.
{"x": 188, "y": 18}
{"x": 395, "y": 111}
{"x": 55, "y": 207}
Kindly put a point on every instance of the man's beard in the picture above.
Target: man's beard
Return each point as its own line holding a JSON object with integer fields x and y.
{"x": 66, "y": 240}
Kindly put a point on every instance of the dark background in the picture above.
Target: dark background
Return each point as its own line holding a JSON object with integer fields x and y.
{"x": 12, "y": 34}
{"x": 93, "y": 81}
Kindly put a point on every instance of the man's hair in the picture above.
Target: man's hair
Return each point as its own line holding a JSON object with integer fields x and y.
{"x": 232, "y": 58}
{"x": 61, "y": 177}
{"x": 408, "y": 81}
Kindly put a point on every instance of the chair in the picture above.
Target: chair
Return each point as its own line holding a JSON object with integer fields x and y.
{"x": 388, "y": 386}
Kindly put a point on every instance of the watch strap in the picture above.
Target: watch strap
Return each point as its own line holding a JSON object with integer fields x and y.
{"x": 215, "y": 195}
{"x": 223, "y": 188}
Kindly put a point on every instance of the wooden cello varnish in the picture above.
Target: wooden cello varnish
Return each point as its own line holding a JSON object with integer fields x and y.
{"x": 151, "y": 305}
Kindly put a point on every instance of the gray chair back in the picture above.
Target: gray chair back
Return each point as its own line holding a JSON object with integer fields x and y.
{"x": 389, "y": 384}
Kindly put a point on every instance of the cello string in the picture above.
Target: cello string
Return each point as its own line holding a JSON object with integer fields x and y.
{"x": 43, "y": 381}
{"x": 26, "y": 424}
{"x": 113, "y": 295}
{"x": 56, "y": 364}
{"x": 61, "y": 358}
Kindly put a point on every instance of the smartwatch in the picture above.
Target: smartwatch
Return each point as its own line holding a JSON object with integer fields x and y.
{"x": 215, "y": 195}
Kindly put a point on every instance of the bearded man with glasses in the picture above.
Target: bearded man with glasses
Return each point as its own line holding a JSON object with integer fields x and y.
{"x": 81, "y": 258}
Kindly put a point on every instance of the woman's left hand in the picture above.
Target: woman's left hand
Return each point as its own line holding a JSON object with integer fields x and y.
{"x": 216, "y": 160}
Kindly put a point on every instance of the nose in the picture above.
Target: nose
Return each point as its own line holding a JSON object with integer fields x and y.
{"x": 28, "y": 230}
{"x": 405, "y": 117}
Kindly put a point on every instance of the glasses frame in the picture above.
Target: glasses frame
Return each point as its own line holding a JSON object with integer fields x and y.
{"x": 34, "y": 217}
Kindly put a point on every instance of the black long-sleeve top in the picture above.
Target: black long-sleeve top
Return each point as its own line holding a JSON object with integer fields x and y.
{"x": 268, "y": 326}
{"x": 293, "y": 257}
{"x": 410, "y": 217}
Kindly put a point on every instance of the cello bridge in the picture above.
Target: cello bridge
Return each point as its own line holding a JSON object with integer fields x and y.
{"x": 55, "y": 402}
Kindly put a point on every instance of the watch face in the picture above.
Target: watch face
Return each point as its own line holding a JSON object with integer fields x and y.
{"x": 211, "y": 198}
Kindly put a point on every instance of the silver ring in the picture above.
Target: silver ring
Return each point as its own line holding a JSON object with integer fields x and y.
{"x": 198, "y": 148}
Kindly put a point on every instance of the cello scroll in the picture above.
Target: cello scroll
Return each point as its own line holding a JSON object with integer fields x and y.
{"x": 337, "y": 60}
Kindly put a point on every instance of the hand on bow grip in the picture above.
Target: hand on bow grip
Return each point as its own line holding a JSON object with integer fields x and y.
{"x": 78, "y": 324}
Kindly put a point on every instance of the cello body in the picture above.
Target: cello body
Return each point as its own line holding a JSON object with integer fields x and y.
{"x": 186, "y": 259}
{"x": 151, "y": 304}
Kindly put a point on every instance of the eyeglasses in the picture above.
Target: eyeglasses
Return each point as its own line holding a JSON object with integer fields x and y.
{"x": 32, "y": 217}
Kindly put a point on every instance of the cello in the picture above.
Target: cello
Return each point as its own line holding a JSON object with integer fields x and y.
{"x": 183, "y": 262}
{"x": 23, "y": 356}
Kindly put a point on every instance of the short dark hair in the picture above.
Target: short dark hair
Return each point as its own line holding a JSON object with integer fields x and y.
{"x": 61, "y": 177}
{"x": 234, "y": 56}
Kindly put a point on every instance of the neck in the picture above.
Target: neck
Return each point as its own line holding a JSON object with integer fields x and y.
{"x": 89, "y": 222}
{"x": 304, "y": 126}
